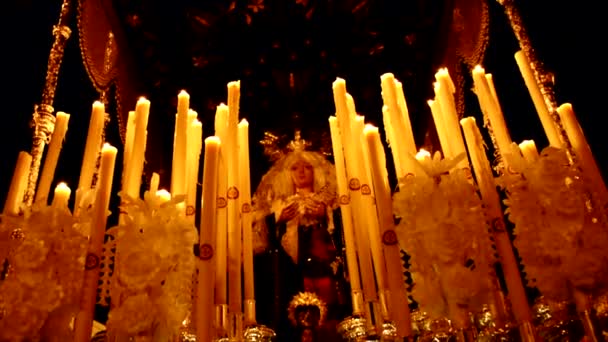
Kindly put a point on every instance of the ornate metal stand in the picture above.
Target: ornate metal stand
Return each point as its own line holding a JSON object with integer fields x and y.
{"x": 43, "y": 119}
{"x": 353, "y": 329}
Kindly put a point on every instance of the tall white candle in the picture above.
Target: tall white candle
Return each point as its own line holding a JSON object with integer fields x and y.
{"x": 84, "y": 319}
{"x": 52, "y": 156}
{"x": 491, "y": 108}
{"x": 347, "y": 217}
{"x": 583, "y": 151}
{"x": 91, "y": 150}
{"x": 491, "y": 200}
{"x": 235, "y": 296}
{"x": 16, "y": 191}
{"x": 394, "y": 99}
{"x": 128, "y": 150}
{"x": 245, "y": 186}
{"x": 206, "y": 265}
{"x": 450, "y": 115}
{"x": 537, "y": 98}
{"x": 154, "y": 181}
{"x": 195, "y": 143}
{"x": 178, "y": 169}
{"x": 136, "y": 164}
{"x": 398, "y": 307}
{"x": 221, "y": 282}
{"x": 442, "y": 134}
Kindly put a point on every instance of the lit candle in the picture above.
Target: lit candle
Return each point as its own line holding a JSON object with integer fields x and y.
{"x": 206, "y": 272}
{"x": 136, "y": 162}
{"x": 398, "y": 307}
{"x": 347, "y": 217}
{"x": 178, "y": 167}
{"x": 84, "y": 319}
{"x": 583, "y": 151}
{"x": 91, "y": 151}
{"x": 354, "y": 170}
{"x": 16, "y": 191}
{"x": 537, "y": 98}
{"x": 423, "y": 155}
{"x": 529, "y": 151}
{"x": 195, "y": 141}
{"x": 163, "y": 196}
{"x": 491, "y": 200}
{"x": 52, "y": 155}
{"x": 221, "y": 283}
{"x": 235, "y": 296}
{"x": 128, "y": 150}
{"x": 62, "y": 196}
{"x": 442, "y": 134}
{"x": 394, "y": 99}
{"x": 245, "y": 186}
{"x": 489, "y": 105}
{"x": 450, "y": 116}
{"x": 392, "y": 142}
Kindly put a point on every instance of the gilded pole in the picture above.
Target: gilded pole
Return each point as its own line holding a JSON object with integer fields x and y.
{"x": 43, "y": 120}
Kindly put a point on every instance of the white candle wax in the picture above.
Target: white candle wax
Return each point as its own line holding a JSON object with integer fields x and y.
{"x": 178, "y": 169}
{"x": 91, "y": 150}
{"x": 52, "y": 156}
{"x": 529, "y": 151}
{"x": 16, "y": 191}
{"x": 62, "y": 196}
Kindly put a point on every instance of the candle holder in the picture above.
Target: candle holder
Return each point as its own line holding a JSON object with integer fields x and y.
{"x": 556, "y": 320}
{"x": 353, "y": 329}
{"x": 491, "y": 330}
{"x": 259, "y": 333}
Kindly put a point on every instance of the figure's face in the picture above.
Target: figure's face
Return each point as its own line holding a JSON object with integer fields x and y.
{"x": 302, "y": 174}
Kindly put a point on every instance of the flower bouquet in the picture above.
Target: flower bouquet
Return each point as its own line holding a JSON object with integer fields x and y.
{"x": 443, "y": 228}
{"x": 43, "y": 268}
{"x": 151, "y": 286}
{"x": 558, "y": 234}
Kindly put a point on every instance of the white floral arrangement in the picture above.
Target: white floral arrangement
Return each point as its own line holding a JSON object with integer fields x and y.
{"x": 443, "y": 229}
{"x": 151, "y": 285}
{"x": 558, "y": 235}
{"x": 43, "y": 270}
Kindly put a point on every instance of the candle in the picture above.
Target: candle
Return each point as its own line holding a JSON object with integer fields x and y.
{"x": 398, "y": 307}
{"x": 178, "y": 167}
{"x": 62, "y": 196}
{"x": 392, "y": 142}
{"x": 450, "y": 116}
{"x": 91, "y": 150}
{"x": 583, "y": 152}
{"x": 490, "y": 81}
{"x": 234, "y": 225}
{"x": 52, "y": 155}
{"x": 221, "y": 283}
{"x": 537, "y": 98}
{"x": 529, "y": 151}
{"x": 394, "y": 99}
{"x": 351, "y": 142}
{"x": 84, "y": 319}
{"x": 423, "y": 155}
{"x": 347, "y": 216}
{"x": 163, "y": 196}
{"x": 444, "y": 140}
{"x": 195, "y": 141}
{"x": 491, "y": 200}
{"x": 491, "y": 108}
{"x": 16, "y": 191}
{"x": 136, "y": 162}
{"x": 128, "y": 150}
{"x": 204, "y": 300}
{"x": 245, "y": 186}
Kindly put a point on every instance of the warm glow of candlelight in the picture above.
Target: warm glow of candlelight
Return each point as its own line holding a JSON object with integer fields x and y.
{"x": 180, "y": 149}
{"x": 423, "y": 154}
{"x": 204, "y": 307}
{"x": 163, "y": 196}
{"x": 529, "y": 151}
{"x": 446, "y": 89}
{"x": 91, "y": 150}
{"x": 52, "y": 156}
{"x": 221, "y": 282}
{"x": 84, "y": 319}
{"x": 16, "y": 191}
{"x": 62, "y": 196}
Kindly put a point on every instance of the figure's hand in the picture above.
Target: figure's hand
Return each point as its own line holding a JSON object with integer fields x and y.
{"x": 315, "y": 208}
{"x": 289, "y": 212}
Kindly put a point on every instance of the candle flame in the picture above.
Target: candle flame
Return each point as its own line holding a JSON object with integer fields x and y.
{"x": 423, "y": 154}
